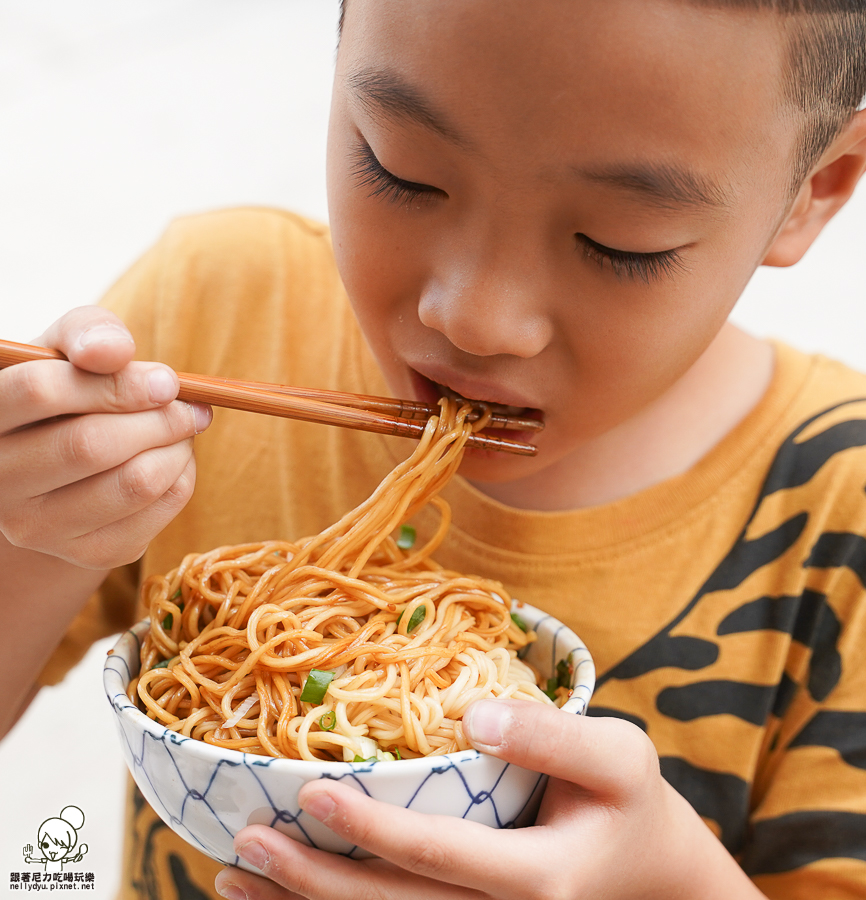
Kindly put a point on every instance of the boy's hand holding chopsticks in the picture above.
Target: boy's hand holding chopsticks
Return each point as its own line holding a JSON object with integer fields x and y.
{"x": 78, "y": 481}
{"x": 382, "y": 415}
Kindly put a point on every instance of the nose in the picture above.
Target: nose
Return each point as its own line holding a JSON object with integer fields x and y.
{"x": 489, "y": 310}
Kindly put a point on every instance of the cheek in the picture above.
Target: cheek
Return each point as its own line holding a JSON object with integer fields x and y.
{"x": 654, "y": 333}
{"x": 624, "y": 354}
{"x": 377, "y": 257}
{"x": 372, "y": 264}
{"x": 378, "y": 245}
{"x": 376, "y": 269}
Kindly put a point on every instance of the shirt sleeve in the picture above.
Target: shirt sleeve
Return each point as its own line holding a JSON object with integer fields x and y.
{"x": 807, "y": 836}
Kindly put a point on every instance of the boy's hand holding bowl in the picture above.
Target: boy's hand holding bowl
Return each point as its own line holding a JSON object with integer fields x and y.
{"x": 209, "y": 794}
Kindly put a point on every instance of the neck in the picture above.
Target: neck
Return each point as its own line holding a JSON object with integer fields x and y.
{"x": 663, "y": 440}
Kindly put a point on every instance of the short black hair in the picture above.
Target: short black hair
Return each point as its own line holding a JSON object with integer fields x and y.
{"x": 825, "y": 70}
{"x": 825, "y": 74}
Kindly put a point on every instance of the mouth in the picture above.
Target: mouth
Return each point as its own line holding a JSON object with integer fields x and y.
{"x": 430, "y": 391}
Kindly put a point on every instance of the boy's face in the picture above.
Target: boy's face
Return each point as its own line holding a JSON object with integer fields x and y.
{"x": 552, "y": 205}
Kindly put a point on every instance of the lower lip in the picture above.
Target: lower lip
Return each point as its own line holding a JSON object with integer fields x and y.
{"x": 426, "y": 391}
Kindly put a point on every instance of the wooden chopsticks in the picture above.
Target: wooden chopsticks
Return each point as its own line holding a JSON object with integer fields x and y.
{"x": 381, "y": 415}
{"x": 402, "y": 409}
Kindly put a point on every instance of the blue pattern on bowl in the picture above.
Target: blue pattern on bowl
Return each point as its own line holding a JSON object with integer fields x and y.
{"x": 207, "y": 794}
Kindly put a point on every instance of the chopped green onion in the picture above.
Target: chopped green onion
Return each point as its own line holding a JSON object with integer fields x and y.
{"x": 562, "y": 679}
{"x": 328, "y": 720}
{"x": 564, "y": 671}
{"x": 519, "y": 622}
{"x": 165, "y": 663}
{"x": 168, "y": 621}
{"x": 316, "y": 686}
{"x": 176, "y": 594}
{"x": 374, "y": 751}
{"x": 396, "y": 751}
{"x": 407, "y": 537}
{"x": 417, "y": 617}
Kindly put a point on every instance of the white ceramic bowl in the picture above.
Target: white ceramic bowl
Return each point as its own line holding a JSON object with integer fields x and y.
{"x": 207, "y": 794}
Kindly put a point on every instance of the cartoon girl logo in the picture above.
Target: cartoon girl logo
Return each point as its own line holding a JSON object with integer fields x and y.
{"x": 57, "y": 839}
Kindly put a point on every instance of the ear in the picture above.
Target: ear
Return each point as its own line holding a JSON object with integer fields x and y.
{"x": 823, "y": 194}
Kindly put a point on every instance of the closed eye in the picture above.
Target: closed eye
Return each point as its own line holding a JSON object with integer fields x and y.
{"x": 371, "y": 174}
{"x": 645, "y": 267}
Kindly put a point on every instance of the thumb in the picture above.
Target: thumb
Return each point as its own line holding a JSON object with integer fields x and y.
{"x": 91, "y": 338}
{"x": 606, "y": 756}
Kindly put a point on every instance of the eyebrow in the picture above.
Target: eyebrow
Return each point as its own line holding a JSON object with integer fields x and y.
{"x": 385, "y": 92}
{"x": 662, "y": 185}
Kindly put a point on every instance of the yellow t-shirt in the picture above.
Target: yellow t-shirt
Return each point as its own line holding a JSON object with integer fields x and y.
{"x": 724, "y": 607}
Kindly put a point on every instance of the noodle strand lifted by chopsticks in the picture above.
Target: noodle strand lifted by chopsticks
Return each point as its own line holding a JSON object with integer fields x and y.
{"x": 398, "y": 647}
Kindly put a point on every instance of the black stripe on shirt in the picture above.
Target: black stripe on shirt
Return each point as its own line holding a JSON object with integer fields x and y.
{"x": 843, "y": 731}
{"x": 796, "y": 839}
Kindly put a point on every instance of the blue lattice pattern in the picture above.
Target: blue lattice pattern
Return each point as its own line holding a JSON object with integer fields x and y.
{"x": 207, "y": 794}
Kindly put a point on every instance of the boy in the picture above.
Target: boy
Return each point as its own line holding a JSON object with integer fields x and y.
{"x": 552, "y": 207}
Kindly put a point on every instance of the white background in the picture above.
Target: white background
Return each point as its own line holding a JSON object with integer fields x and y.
{"x": 117, "y": 115}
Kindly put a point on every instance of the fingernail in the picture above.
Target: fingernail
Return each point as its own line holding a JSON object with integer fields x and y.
{"x": 161, "y": 385}
{"x": 230, "y": 891}
{"x": 203, "y": 416}
{"x": 486, "y": 722}
{"x": 254, "y": 853}
{"x": 320, "y": 806}
{"x": 104, "y": 334}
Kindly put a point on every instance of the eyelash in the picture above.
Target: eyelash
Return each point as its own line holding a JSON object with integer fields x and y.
{"x": 646, "y": 267}
{"x": 625, "y": 264}
{"x": 371, "y": 174}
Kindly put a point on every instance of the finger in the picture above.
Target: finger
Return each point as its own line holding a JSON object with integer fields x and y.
{"x": 292, "y": 869}
{"x": 43, "y": 389}
{"x": 109, "y": 497}
{"x": 603, "y": 755}
{"x": 109, "y": 515}
{"x": 91, "y": 338}
{"x": 126, "y": 540}
{"x": 303, "y": 871}
{"x": 440, "y": 848}
{"x": 49, "y": 456}
{"x": 236, "y": 884}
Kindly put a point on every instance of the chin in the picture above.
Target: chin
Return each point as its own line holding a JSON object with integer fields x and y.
{"x": 495, "y": 467}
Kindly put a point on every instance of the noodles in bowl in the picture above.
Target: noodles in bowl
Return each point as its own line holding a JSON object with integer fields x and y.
{"x": 345, "y": 646}
{"x": 349, "y": 655}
